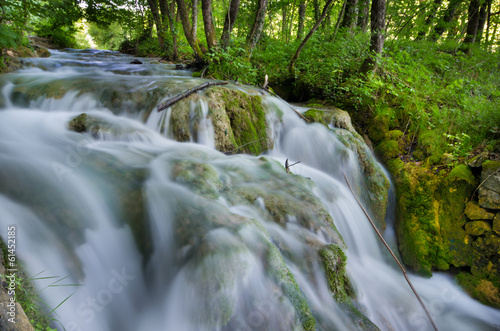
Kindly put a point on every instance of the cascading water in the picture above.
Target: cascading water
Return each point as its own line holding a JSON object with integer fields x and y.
{"x": 163, "y": 235}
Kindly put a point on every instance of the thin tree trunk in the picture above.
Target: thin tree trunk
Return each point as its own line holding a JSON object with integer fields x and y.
{"x": 188, "y": 30}
{"x": 291, "y": 66}
{"x": 153, "y": 5}
{"x": 289, "y": 34}
{"x": 283, "y": 22}
{"x": 364, "y": 15}
{"x": 444, "y": 23}
{"x": 350, "y": 15}
{"x": 483, "y": 15}
{"x": 302, "y": 15}
{"x": 339, "y": 20}
{"x": 194, "y": 17}
{"x": 231, "y": 16}
{"x": 429, "y": 19}
{"x": 473, "y": 21}
{"x": 317, "y": 13}
{"x": 173, "y": 30}
{"x": 206, "y": 9}
{"x": 258, "y": 25}
{"x": 377, "y": 28}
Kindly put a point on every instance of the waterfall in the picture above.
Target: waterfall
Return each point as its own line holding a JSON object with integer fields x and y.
{"x": 146, "y": 233}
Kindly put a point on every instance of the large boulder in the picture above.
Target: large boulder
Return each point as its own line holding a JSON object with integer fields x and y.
{"x": 238, "y": 119}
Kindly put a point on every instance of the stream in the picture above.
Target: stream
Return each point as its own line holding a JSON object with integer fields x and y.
{"x": 127, "y": 229}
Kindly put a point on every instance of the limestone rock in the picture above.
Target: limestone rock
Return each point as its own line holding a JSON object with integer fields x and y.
{"x": 477, "y": 228}
{"x": 238, "y": 119}
{"x": 489, "y": 192}
{"x": 474, "y": 212}
{"x": 332, "y": 116}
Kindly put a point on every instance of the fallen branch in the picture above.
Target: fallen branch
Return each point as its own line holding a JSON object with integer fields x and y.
{"x": 392, "y": 253}
{"x": 187, "y": 93}
{"x": 288, "y": 166}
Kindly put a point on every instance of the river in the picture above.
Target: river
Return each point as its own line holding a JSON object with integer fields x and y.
{"x": 116, "y": 242}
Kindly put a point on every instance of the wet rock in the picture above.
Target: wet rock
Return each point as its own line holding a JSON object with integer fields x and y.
{"x": 331, "y": 116}
{"x": 238, "y": 119}
{"x": 477, "y": 228}
{"x": 79, "y": 123}
{"x": 489, "y": 192}
{"x": 136, "y": 61}
{"x": 478, "y": 160}
{"x": 474, "y": 212}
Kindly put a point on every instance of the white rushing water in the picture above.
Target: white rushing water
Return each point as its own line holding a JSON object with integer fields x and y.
{"x": 100, "y": 212}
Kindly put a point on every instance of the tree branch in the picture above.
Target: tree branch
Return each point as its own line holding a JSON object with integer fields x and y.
{"x": 187, "y": 93}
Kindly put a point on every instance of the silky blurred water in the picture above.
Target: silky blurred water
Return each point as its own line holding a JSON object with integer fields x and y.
{"x": 70, "y": 196}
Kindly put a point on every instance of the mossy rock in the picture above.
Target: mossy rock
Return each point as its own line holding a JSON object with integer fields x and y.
{"x": 474, "y": 212}
{"x": 394, "y": 135}
{"x": 378, "y": 128}
{"x": 239, "y": 120}
{"x": 482, "y": 289}
{"x": 430, "y": 222}
{"x": 387, "y": 150}
{"x": 247, "y": 117}
{"x": 330, "y": 116}
{"x": 489, "y": 192}
{"x": 431, "y": 146}
{"x": 496, "y": 224}
{"x": 477, "y": 228}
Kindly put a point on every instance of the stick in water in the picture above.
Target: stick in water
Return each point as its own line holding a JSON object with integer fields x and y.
{"x": 187, "y": 93}
{"x": 392, "y": 253}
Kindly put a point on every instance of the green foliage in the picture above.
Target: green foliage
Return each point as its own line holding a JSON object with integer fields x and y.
{"x": 107, "y": 37}
{"x": 232, "y": 63}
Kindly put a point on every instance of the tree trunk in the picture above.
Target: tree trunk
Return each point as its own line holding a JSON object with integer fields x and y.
{"x": 302, "y": 16}
{"x": 206, "y": 10}
{"x": 231, "y": 16}
{"x": 364, "y": 15}
{"x": 472, "y": 21}
{"x": 194, "y": 17}
{"x": 350, "y": 15}
{"x": 443, "y": 24}
{"x": 483, "y": 15}
{"x": 283, "y": 22}
{"x": 316, "y": 10}
{"x": 258, "y": 25}
{"x": 377, "y": 28}
{"x": 429, "y": 19}
{"x": 188, "y": 30}
{"x": 153, "y": 5}
{"x": 173, "y": 30}
{"x": 291, "y": 66}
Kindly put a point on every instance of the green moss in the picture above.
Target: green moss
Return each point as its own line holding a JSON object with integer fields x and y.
{"x": 394, "y": 135}
{"x": 482, "y": 289}
{"x": 431, "y": 145}
{"x": 196, "y": 74}
{"x": 79, "y": 123}
{"x": 201, "y": 177}
{"x": 247, "y": 119}
{"x": 387, "y": 149}
{"x": 378, "y": 128}
{"x": 477, "y": 228}
{"x": 315, "y": 115}
{"x": 334, "y": 261}
{"x": 290, "y": 288}
{"x": 462, "y": 173}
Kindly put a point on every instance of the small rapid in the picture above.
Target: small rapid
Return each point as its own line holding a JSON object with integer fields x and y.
{"x": 141, "y": 232}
